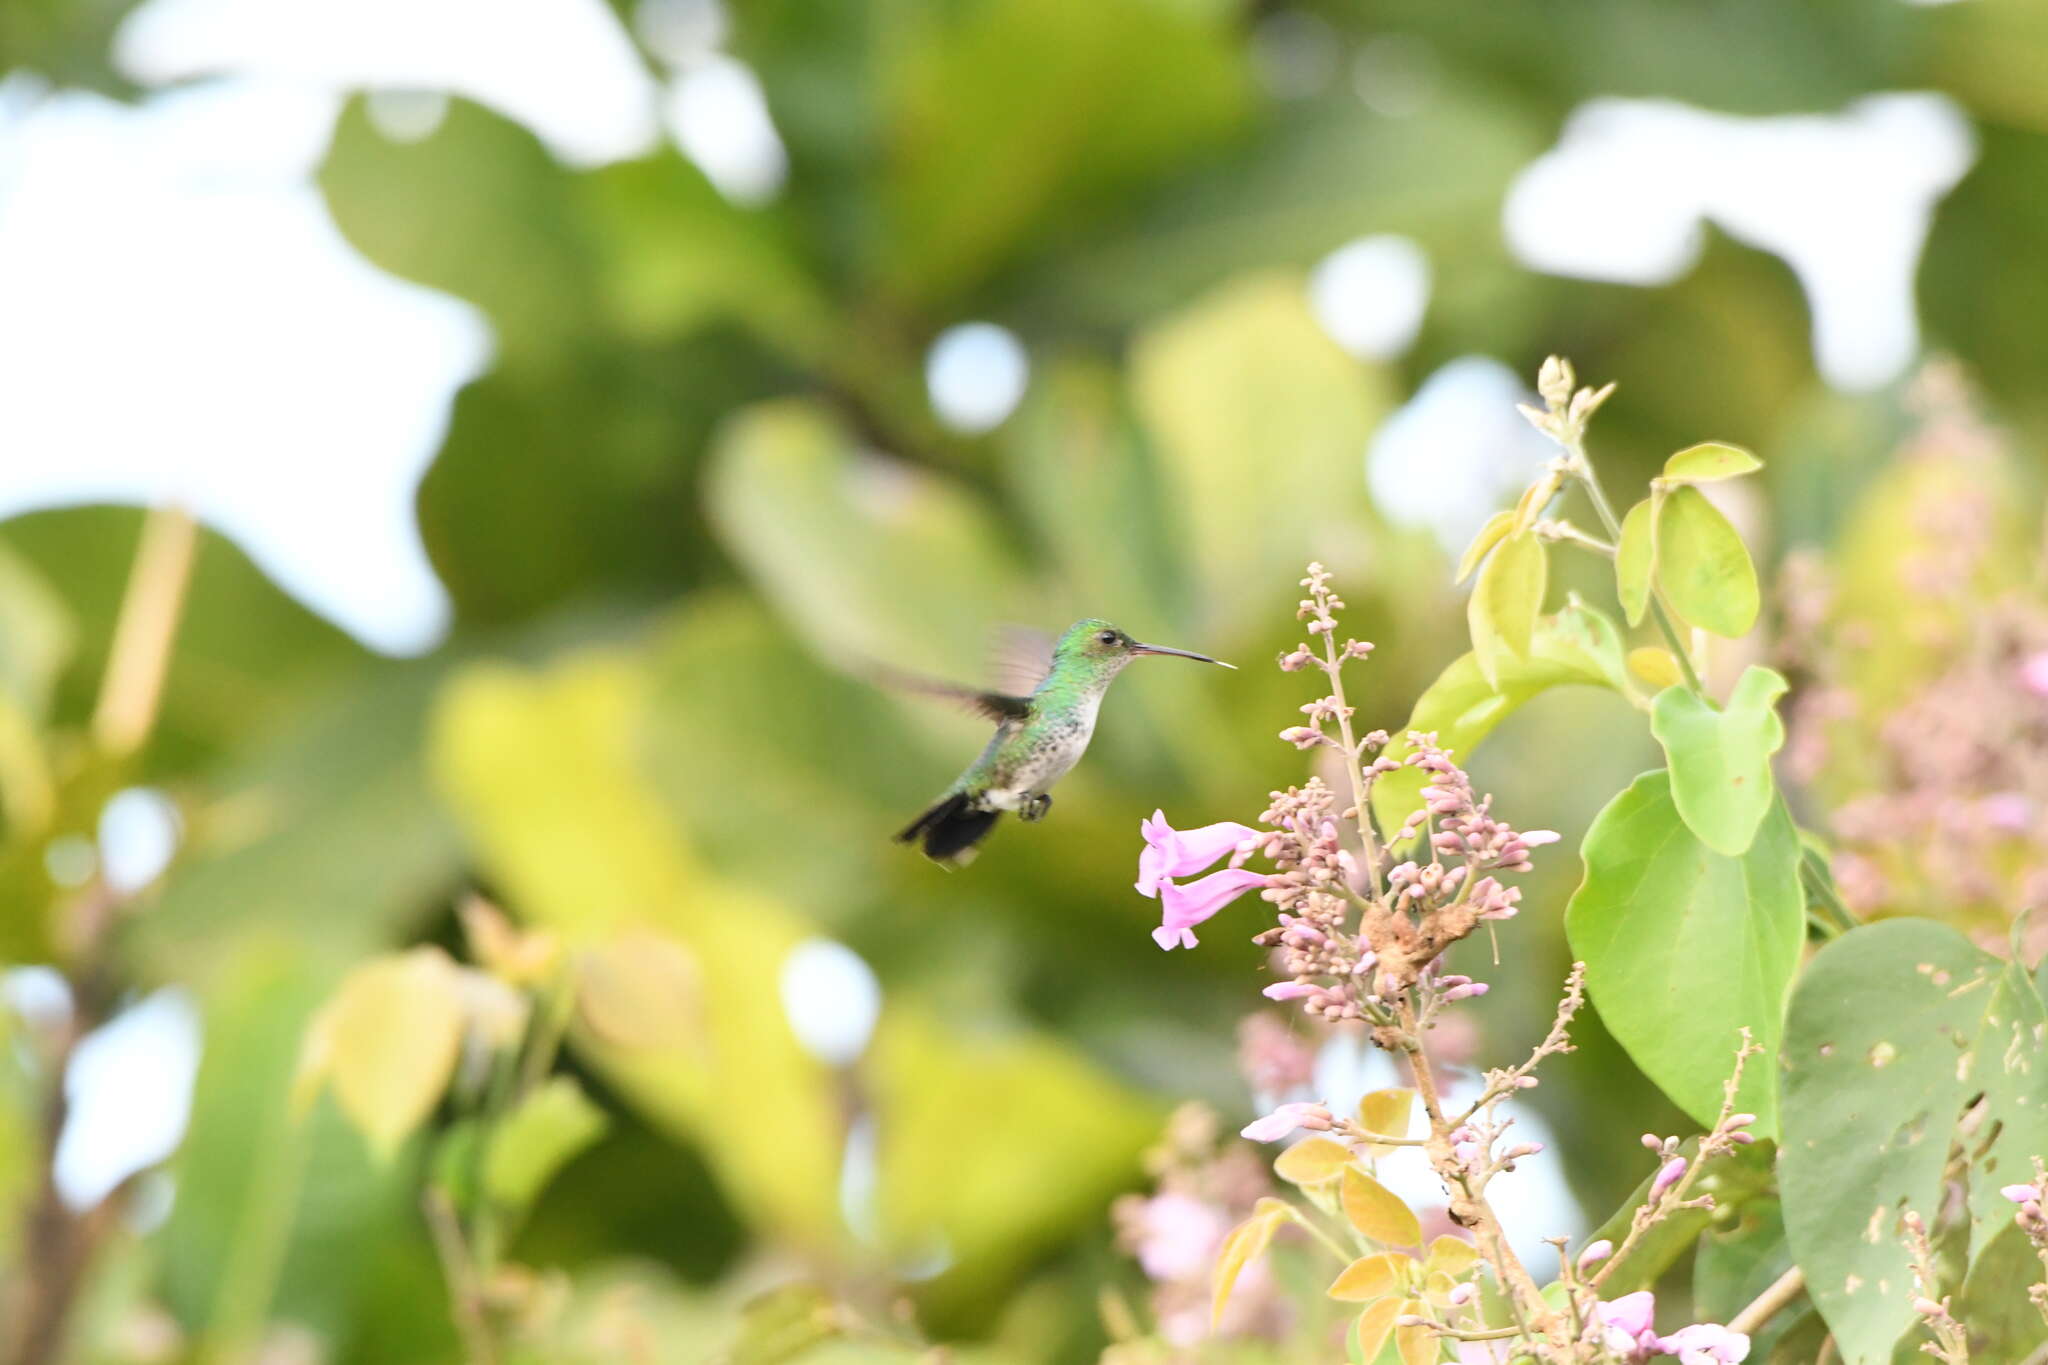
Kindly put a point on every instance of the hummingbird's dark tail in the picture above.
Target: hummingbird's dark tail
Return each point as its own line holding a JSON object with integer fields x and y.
{"x": 950, "y": 829}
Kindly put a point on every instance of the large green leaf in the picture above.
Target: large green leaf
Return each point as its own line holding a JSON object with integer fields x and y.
{"x": 1720, "y": 760}
{"x": 1895, "y": 1030}
{"x": 869, "y": 558}
{"x": 1702, "y": 564}
{"x": 36, "y": 636}
{"x": 1259, "y": 420}
{"x": 1684, "y": 946}
{"x": 1578, "y": 645}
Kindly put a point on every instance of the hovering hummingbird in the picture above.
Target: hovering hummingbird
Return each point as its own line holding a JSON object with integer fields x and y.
{"x": 1038, "y": 738}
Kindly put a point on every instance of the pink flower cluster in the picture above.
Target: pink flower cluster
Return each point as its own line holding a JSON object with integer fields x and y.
{"x": 1626, "y": 1327}
{"x": 1171, "y": 853}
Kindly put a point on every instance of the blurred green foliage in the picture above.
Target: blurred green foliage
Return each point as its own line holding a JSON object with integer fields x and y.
{"x": 702, "y": 482}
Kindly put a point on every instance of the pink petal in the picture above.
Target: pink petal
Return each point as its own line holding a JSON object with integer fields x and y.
{"x": 1631, "y": 1313}
{"x": 1279, "y": 1123}
{"x": 1288, "y": 990}
{"x": 1184, "y": 906}
{"x": 2034, "y": 673}
{"x": 1196, "y": 849}
{"x": 1170, "y": 939}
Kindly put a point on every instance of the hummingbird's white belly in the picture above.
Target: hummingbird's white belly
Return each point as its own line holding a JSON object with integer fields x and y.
{"x": 1047, "y": 763}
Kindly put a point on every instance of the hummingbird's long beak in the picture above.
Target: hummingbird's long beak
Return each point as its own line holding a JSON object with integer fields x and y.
{"x": 1179, "y": 654}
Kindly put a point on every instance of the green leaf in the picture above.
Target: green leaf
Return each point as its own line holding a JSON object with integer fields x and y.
{"x": 2005, "y": 1326}
{"x": 36, "y": 636}
{"x": 1685, "y": 946}
{"x": 1504, "y": 603}
{"x": 1248, "y": 403}
{"x": 1312, "y": 1161}
{"x": 1895, "y": 1029}
{"x": 844, "y": 543}
{"x": 1496, "y": 528}
{"x": 1578, "y": 645}
{"x": 1710, "y": 461}
{"x": 1740, "y": 1256}
{"x": 1721, "y": 760}
{"x": 1635, "y": 559}
{"x": 1734, "y": 1181}
{"x": 549, "y": 1129}
{"x": 1703, "y": 566}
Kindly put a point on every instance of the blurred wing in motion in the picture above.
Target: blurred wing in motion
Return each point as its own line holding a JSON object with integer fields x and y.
{"x": 994, "y": 706}
{"x": 1019, "y": 659}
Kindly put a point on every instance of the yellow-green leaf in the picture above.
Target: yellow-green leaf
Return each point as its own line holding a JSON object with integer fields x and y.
{"x": 1635, "y": 559}
{"x": 1496, "y": 528}
{"x": 1312, "y": 1161}
{"x": 540, "y": 1136}
{"x": 1378, "y": 1212}
{"x": 1708, "y": 461}
{"x": 1386, "y": 1112}
{"x": 1656, "y": 666}
{"x": 1417, "y": 1345}
{"x": 1451, "y": 1255}
{"x": 1703, "y": 565}
{"x": 1246, "y": 1241}
{"x": 391, "y": 1035}
{"x": 1375, "y": 1325}
{"x": 1371, "y": 1277}
{"x": 1504, "y": 604}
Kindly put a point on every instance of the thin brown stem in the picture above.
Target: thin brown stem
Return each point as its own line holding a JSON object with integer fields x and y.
{"x": 465, "y": 1293}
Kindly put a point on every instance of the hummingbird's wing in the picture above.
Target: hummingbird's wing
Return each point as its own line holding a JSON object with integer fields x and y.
{"x": 995, "y": 706}
{"x": 1019, "y": 659}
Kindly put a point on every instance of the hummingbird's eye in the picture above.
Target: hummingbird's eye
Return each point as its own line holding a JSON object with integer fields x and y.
{"x": 1107, "y": 637}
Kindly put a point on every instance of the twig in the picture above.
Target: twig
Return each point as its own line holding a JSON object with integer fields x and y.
{"x": 1766, "y": 1305}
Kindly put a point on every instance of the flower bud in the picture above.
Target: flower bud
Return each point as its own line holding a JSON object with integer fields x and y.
{"x": 1596, "y": 1253}
{"x": 1928, "y": 1308}
{"x": 1411, "y": 1320}
{"x": 1668, "y": 1175}
{"x": 2021, "y": 1194}
{"x": 1462, "y": 1294}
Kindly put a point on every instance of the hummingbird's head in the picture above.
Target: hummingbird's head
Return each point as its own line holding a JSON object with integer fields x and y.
{"x": 1096, "y": 647}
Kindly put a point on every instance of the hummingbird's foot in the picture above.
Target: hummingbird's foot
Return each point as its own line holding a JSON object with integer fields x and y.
{"x": 1032, "y": 811}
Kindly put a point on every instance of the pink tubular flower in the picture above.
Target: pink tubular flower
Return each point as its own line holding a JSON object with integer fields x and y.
{"x": 1705, "y": 1343}
{"x": 1171, "y": 852}
{"x": 1183, "y": 907}
{"x": 1286, "y": 1119}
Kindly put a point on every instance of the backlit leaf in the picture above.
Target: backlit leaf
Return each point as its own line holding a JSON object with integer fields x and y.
{"x": 1895, "y": 1029}
{"x": 1720, "y": 760}
{"x": 1685, "y": 946}
{"x": 1375, "y": 1325}
{"x": 1451, "y": 1255}
{"x": 1370, "y": 1277}
{"x": 1386, "y": 1112}
{"x": 1656, "y": 666}
{"x": 1418, "y": 1345}
{"x": 1504, "y": 603}
{"x": 1312, "y": 1160}
{"x": 1245, "y": 1243}
{"x": 1703, "y": 566}
{"x": 1378, "y": 1212}
{"x": 392, "y": 1033}
{"x": 1635, "y": 560}
{"x": 1709, "y": 461}
{"x": 1496, "y": 528}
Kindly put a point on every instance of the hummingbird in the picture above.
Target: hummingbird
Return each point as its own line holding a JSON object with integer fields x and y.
{"x": 1039, "y": 737}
